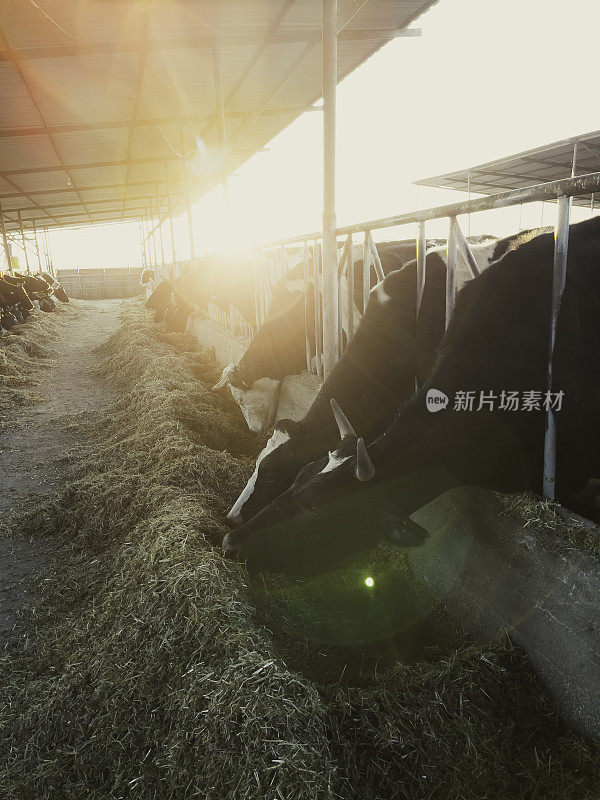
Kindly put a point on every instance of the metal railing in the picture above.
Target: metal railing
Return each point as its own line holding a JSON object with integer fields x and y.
{"x": 273, "y": 260}
{"x": 276, "y": 255}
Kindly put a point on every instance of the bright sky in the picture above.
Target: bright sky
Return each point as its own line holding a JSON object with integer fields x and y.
{"x": 488, "y": 78}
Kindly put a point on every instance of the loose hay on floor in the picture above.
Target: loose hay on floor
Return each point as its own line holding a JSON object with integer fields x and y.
{"x": 151, "y": 668}
{"x": 24, "y": 352}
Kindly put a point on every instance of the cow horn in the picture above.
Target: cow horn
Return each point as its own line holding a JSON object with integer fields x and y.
{"x": 227, "y": 372}
{"x": 365, "y": 470}
{"x": 343, "y": 423}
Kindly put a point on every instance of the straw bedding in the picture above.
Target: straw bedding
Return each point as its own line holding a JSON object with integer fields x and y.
{"x": 24, "y": 351}
{"x": 150, "y": 667}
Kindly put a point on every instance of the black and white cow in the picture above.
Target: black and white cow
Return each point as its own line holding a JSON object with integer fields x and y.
{"x": 14, "y": 293}
{"x": 214, "y": 279}
{"x": 497, "y": 342}
{"x": 377, "y": 372}
{"x": 279, "y": 347}
{"x": 55, "y": 286}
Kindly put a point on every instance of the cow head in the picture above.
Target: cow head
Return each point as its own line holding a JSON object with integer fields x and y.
{"x": 15, "y": 293}
{"x": 335, "y": 507}
{"x": 291, "y": 446}
{"x": 276, "y": 467}
{"x": 257, "y": 400}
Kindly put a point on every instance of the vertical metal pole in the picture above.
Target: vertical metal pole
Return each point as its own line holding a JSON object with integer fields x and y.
{"x": 306, "y": 284}
{"x": 421, "y": 255}
{"x": 317, "y": 305}
{"x": 574, "y": 161}
{"x": 451, "y": 271}
{"x": 330, "y": 280}
{"x": 256, "y": 294}
{"x": 23, "y": 240}
{"x": 350, "y": 283}
{"x": 592, "y": 204}
{"x": 187, "y": 195}
{"x": 170, "y": 208}
{"x": 144, "y": 251}
{"x": 5, "y": 241}
{"x": 421, "y": 276}
{"x": 160, "y": 233}
{"x": 561, "y": 246}
{"x": 153, "y": 235}
{"x": 49, "y": 254}
{"x": 366, "y": 271}
{"x": 469, "y": 197}
{"x": 379, "y": 273}
{"x": 37, "y": 246}
{"x": 221, "y": 129}
{"x": 141, "y": 232}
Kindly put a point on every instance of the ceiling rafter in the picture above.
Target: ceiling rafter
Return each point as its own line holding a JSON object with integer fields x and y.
{"x": 100, "y": 165}
{"x": 58, "y": 217}
{"x": 138, "y": 97}
{"x": 84, "y": 127}
{"x": 31, "y": 94}
{"x": 344, "y": 19}
{"x": 196, "y": 42}
{"x": 117, "y": 200}
{"x": 105, "y": 187}
{"x": 274, "y": 43}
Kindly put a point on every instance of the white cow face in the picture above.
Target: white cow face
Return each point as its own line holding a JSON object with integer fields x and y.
{"x": 258, "y": 403}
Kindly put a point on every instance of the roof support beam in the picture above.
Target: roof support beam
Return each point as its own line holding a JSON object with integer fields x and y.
{"x": 5, "y": 241}
{"x": 32, "y": 97}
{"x": 330, "y": 271}
{"x": 342, "y": 22}
{"x": 14, "y": 225}
{"x": 37, "y": 246}
{"x": 24, "y": 244}
{"x": 83, "y": 189}
{"x": 170, "y": 209}
{"x": 195, "y": 42}
{"x": 136, "y": 105}
{"x": 117, "y": 200}
{"x": 221, "y": 128}
{"x": 83, "y": 127}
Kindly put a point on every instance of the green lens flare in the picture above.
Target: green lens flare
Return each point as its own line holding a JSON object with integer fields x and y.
{"x": 369, "y": 582}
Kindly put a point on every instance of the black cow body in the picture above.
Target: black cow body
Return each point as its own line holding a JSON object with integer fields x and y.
{"x": 279, "y": 347}
{"x": 389, "y": 351}
{"x": 160, "y": 298}
{"x": 14, "y": 293}
{"x": 497, "y": 341}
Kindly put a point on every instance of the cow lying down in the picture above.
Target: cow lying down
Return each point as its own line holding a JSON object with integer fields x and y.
{"x": 364, "y": 490}
{"x": 377, "y": 372}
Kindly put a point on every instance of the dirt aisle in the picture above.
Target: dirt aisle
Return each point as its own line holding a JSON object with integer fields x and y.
{"x": 27, "y": 449}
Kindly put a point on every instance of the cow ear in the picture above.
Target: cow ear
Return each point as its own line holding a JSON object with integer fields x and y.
{"x": 365, "y": 471}
{"x": 343, "y": 423}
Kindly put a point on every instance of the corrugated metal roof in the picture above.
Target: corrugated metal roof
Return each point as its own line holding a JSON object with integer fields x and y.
{"x": 551, "y": 162}
{"x": 100, "y": 100}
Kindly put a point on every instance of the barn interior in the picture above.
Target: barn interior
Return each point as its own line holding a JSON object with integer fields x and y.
{"x": 136, "y": 659}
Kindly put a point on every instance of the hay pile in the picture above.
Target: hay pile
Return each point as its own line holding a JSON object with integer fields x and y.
{"x": 150, "y": 667}
{"x": 24, "y": 351}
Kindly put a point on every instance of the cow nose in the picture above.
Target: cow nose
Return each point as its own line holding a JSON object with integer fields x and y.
{"x": 230, "y": 548}
{"x": 235, "y": 519}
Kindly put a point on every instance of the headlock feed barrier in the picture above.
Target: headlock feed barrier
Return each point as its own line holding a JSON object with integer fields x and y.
{"x": 271, "y": 261}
